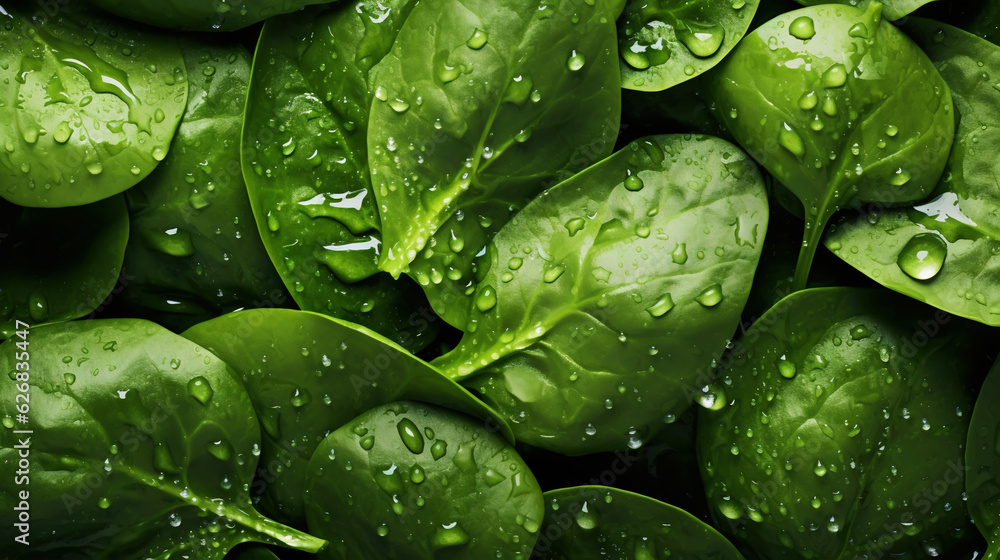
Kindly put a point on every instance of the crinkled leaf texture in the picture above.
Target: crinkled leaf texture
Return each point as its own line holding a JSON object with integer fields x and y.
{"x": 142, "y": 444}
{"x": 607, "y": 298}
{"x": 307, "y": 375}
{"x": 410, "y": 481}
{"x": 945, "y": 252}
{"x": 475, "y": 117}
{"x": 88, "y": 107}
{"x": 847, "y": 411}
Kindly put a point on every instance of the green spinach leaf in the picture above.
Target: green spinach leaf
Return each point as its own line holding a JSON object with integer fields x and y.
{"x": 194, "y": 251}
{"x": 893, "y": 9}
{"x": 844, "y": 428}
{"x": 89, "y": 106}
{"x": 840, "y": 107}
{"x": 666, "y": 42}
{"x": 305, "y": 162}
{"x": 610, "y": 294}
{"x": 508, "y": 100}
{"x": 982, "y": 461}
{"x": 307, "y": 375}
{"x": 407, "y": 481}
{"x": 597, "y": 522}
{"x": 945, "y": 252}
{"x": 52, "y": 274}
{"x": 143, "y": 444}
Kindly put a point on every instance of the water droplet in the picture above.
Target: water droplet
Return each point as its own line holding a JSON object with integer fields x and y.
{"x": 272, "y": 221}
{"x": 104, "y": 503}
{"x": 220, "y": 449}
{"x": 69, "y": 378}
{"x": 808, "y": 101}
{"x": 417, "y": 475}
{"x": 786, "y": 368}
{"x": 586, "y": 519}
{"x": 288, "y": 148}
{"x": 575, "y": 61}
{"x": 515, "y": 263}
{"x": 835, "y": 76}
{"x": 679, "y": 254}
{"x": 730, "y": 509}
{"x": 712, "y": 397}
{"x": 710, "y": 296}
{"x": 38, "y": 307}
{"x": 662, "y": 306}
{"x": 923, "y": 256}
{"x": 300, "y": 398}
{"x": 703, "y": 40}
{"x": 791, "y": 141}
{"x": 487, "y": 299}
{"x": 411, "y": 436}
{"x": 553, "y": 274}
{"x": 449, "y": 535}
{"x": 574, "y": 225}
{"x": 200, "y": 390}
{"x": 477, "y": 40}
{"x": 399, "y": 105}
{"x": 367, "y": 442}
{"x": 633, "y": 183}
{"x": 802, "y": 28}
{"x": 439, "y": 449}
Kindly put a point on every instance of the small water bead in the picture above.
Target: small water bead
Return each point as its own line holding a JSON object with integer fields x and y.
{"x": 786, "y": 368}
{"x": 663, "y": 305}
{"x": 487, "y": 299}
{"x": 633, "y": 183}
{"x": 575, "y": 61}
{"x": 710, "y": 296}
{"x": 923, "y": 256}
{"x": 808, "y": 101}
{"x": 679, "y": 254}
{"x": 789, "y": 139}
{"x": 835, "y": 76}
{"x": 200, "y": 390}
{"x": 553, "y": 273}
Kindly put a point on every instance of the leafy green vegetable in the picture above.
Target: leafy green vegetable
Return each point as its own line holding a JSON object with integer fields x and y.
{"x": 840, "y": 107}
{"x": 88, "y": 107}
{"x": 52, "y": 274}
{"x": 597, "y": 522}
{"x": 944, "y": 252}
{"x": 305, "y": 163}
{"x": 513, "y": 98}
{"x": 982, "y": 458}
{"x": 252, "y": 552}
{"x": 610, "y": 294}
{"x": 200, "y": 15}
{"x": 666, "y": 42}
{"x": 893, "y": 9}
{"x": 142, "y": 444}
{"x": 307, "y": 375}
{"x": 195, "y": 252}
{"x": 421, "y": 482}
{"x": 844, "y": 430}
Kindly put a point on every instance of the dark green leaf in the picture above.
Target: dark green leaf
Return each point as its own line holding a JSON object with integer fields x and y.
{"x": 840, "y": 107}
{"x": 305, "y": 162}
{"x": 597, "y": 522}
{"x": 88, "y": 107}
{"x": 58, "y": 264}
{"x": 509, "y": 99}
{"x": 945, "y": 252}
{"x": 608, "y": 297}
{"x": 202, "y": 15}
{"x": 142, "y": 444}
{"x": 307, "y": 375}
{"x": 195, "y": 252}
{"x": 666, "y": 42}
{"x": 982, "y": 459}
{"x": 844, "y": 429}
{"x": 407, "y": 481}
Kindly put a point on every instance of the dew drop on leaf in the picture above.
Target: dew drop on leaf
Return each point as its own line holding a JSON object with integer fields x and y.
{"x": 923, "y": 256}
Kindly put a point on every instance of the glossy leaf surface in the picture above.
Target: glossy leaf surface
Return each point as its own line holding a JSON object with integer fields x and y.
{"x": 143, "y": 444}
{"x": 194, "y": 250}
{"x": 607, "y": 298}
{"x": 597, "y": 522}
{"x": 840, "y": 107}
{"x": 408, "y": 481}
{"x": 666, "y": 42}
{"x": 893, "y": 9}
{"x": 945, "y": 252}
{"x": 305, "y": 162}
{"x": 847, "y": 411}
{"x": 509, "y": 100}
{"x": 307, "y": 375}
{"x": 88, "y": 107}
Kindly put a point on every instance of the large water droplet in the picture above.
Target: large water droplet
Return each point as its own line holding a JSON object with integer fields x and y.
{"x": 449, "y": 535}
{"x": 710, "y": 296}
{"x": 477, "y": 40}
{"x": 662, "y": 306}
{"x": 487, "y": 299}
{"x": 802, "y": 28}
{"x": 835, "y": 76}
{"x": 411, "y": 436}
{"x": 703, "y": 40}
{"x": 200, "y": 389}
{"x": 791, "y": 141}
{"x": 923, "y": 256}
